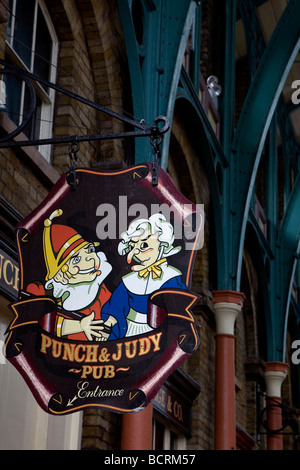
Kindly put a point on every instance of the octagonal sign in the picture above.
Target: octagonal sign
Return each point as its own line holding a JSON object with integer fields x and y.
{"x": 104, "y": 309}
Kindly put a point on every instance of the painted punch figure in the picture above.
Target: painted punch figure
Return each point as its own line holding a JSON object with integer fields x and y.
{"x": 147, "y": 244}
{"x": 75, "y": 274}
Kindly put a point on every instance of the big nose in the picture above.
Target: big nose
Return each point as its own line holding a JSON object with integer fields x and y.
{"x": 90, "y": 257}
{"x": 131, "y": 254}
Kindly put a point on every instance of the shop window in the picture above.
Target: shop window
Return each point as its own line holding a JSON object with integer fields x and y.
{"x": 23, "y": 424}
{"x": 172, "y": 408}
{"x": 165, "y": 438}
{"x": 31, "y": 43}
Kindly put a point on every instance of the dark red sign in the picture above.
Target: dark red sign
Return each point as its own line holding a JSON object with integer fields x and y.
{"x": 104, "y": 308}
{"x": 9, "y": 274}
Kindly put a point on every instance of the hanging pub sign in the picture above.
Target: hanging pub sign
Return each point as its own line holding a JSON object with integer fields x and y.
{"x": 103, "y": 314}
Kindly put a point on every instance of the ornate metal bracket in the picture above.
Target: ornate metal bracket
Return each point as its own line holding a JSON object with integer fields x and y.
{"x": 144, "y": 130}
{"x": 289, "y": 418}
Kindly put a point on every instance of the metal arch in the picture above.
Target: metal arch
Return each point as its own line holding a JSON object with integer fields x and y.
{"x": 262, "y": 253}
{"x": 187, "y": 10}
{"x": 211, "y": 145}
{"x": 156, "y": 64}
{"x": 138, "y": 96}
{"x": 250, "y": 20}
{"x": 227, "y": 102}
{"x": 255, "y": 120}
{"x": 187, "y": 91}
{"x": 258, "y": 111}
{"x": 288, "y": 247}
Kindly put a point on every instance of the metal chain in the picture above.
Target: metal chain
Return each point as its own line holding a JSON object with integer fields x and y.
{"x": 74, "y": 147}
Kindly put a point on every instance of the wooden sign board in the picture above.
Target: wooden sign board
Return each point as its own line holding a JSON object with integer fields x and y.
{"x": 104, "y": 308}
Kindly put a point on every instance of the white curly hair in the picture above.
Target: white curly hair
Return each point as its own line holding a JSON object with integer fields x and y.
{"x": 155, "y": 223}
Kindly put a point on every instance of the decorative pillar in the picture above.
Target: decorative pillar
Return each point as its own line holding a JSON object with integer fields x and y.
{"x": 275, "y": 374}
{"x": 137, "y": 430}
{"x": 227, "y": 306}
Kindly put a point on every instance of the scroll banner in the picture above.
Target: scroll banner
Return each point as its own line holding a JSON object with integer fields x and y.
{"x": 102, "y": 320}
{"x": 78, "y": 368}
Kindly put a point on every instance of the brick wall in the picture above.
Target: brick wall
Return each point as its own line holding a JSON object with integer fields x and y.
{"x": 101, "y": 430}
{"x": 91, "y": 63}
{"x": 21, "y": 183}
{"x": 91, "y": 57}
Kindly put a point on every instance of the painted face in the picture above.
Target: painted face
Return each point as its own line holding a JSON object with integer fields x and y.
{"x": 144, "y": 249}
{"x": 83, "y": 266}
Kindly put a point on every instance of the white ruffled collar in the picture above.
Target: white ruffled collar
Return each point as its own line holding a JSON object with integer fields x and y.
{"x": 145, "y": 286}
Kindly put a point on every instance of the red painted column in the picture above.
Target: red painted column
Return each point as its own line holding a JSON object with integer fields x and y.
{"x": 227, "y": 306}
{"x": 275, "y": 374}
{"x": 137, "y": 430}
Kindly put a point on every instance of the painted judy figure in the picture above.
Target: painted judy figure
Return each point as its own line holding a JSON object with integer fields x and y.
{"x": 147, "y": 244}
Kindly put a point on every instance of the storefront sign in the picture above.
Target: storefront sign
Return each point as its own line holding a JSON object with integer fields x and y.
{"x": 9, "y": 274}
{"x": 104, "y": 309}
{"x": 173, "y": 408}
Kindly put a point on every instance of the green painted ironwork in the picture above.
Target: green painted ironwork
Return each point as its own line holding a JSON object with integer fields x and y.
{"x": 156, "y": 34}
{"x": 250, "y": 136}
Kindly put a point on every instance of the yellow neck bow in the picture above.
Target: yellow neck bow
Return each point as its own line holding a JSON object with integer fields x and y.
{"x": 154, "y": 268}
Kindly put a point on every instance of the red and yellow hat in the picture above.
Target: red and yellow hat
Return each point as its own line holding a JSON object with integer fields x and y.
{"x": 60, "y": 242}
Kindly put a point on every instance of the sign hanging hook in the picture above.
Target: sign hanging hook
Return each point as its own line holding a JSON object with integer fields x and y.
{"x": 74, "y": 147}
{"x": 155, "y": 140}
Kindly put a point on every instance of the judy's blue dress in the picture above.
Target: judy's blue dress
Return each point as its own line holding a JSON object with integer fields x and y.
{"x": 127, "y": 305}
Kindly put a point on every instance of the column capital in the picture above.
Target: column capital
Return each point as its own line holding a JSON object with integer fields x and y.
{"x": 227, "y": 305}
{"x": 229, "y": 296}
{"x": 275, "y": 373}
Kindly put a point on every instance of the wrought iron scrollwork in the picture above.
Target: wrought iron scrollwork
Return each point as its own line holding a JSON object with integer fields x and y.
{"x": 141, "y": 128}
{"x": 289, "y": 416}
